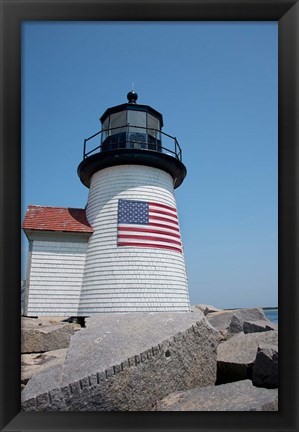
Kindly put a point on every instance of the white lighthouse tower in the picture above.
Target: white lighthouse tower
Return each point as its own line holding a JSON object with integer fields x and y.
{"x": 134, "y": 260}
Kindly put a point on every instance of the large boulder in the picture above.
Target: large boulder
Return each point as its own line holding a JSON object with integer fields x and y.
{"x": 258, "y": 326}
{"x": 127, "y": 362}
{"x": 205, "y": 308}
{"x": 32, "y": 364}
{"x": 265, "y": 368}
{"x": 230, "y": 322}
{"x": 237, "y": 396}
{"x": 235, "y": 326}
{"x": 236, "y": 356}
{"x": 40, "y": 335}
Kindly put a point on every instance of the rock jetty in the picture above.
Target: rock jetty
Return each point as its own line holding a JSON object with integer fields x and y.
{"x": 128, "y": 362}
{"x": 205, "y": 360}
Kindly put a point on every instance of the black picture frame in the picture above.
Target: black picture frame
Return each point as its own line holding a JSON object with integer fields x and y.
{"x": 13, "y": 12}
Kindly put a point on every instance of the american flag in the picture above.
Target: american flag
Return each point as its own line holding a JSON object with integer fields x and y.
{"x": 148, "y": 224}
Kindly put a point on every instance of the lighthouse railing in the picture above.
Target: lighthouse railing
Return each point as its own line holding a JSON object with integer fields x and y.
{"x": 149, "y": 140}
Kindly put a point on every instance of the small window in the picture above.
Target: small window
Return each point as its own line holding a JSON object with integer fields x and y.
{"x": 153, "y": 126}
{"x": 117, "y": 123}
{"x": 105, "y": 127}
{"x": 137, "y": 118}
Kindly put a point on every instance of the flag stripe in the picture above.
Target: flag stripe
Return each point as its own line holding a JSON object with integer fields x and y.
{"x": 161, "y": 227}
{"x": 170, "y": 218}
{"x": 145, "y": 230}
{"x": 158, "y": 218}
{"x": 162, "y": 206}
{"x": 150, "y": 245}
{"x": 147, "y": 240}
{"x": 164, "y": 226}
{"x": 158, "y": 239}
{"x": 150, "y": 236}
{"x": 163, "y": 212}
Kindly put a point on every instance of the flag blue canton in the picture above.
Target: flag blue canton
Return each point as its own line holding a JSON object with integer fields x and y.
{"x": 133, "y": 212}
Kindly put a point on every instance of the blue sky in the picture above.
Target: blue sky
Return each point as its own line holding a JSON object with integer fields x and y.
{"x": 216, "y": 85}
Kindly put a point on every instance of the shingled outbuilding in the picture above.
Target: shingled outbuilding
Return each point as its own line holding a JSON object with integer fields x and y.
{"x": 58, "y": 239}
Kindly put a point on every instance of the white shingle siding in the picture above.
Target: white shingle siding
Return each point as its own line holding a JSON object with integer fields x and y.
{"x": 56, "y": 269}
{"x": 124, "y": 279}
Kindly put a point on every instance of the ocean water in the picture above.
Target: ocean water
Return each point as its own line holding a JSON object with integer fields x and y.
{"x": 272, "y": 314}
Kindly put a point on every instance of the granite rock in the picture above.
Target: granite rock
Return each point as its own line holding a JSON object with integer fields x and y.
{"x": 40, "y": 335}
{"x": 222, "y": 319}
{"x": 205, "y": 308}
{"x": 265, "y": 368}
{"x": 235, "y": 326}
{"x": 32, "y": 364}
{"x": 236, "y": 356}
{"x": 125, "y": 362}
{"x": 258, "y": 326}
{"x": 237, "y": 396}
{"x": 230, "y": 322}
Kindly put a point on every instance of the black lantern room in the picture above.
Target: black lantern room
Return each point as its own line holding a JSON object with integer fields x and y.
{"x": 132, "y": 134}
{"x": 131, "y": 126}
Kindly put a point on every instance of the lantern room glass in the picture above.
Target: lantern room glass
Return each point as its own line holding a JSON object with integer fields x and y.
{"x": 131, "y": 128}
{"x": 153, "y": 127}
{"x": 117, "y": 123}
{"x": 137, "y": 118}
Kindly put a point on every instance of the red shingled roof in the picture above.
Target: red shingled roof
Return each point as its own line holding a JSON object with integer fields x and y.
{"x": 56, "y": 219}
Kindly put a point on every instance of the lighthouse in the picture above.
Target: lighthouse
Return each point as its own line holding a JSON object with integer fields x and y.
{"x": 135, "y": 257}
